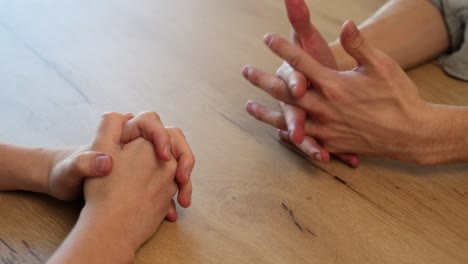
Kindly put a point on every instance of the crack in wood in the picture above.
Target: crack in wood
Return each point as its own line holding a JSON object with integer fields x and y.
{"x": 54, "y": 68}
{"x": 293, "y": 218}
{"x": 8, "y": 246}
{"x": 340, "y": 180}
{"x": 30, "y": 250}
{"x": 6, "y": 261}
{"x": 334, "y": 177}
{"x": 461, "y": 193}
{"x": 236, "y": 124}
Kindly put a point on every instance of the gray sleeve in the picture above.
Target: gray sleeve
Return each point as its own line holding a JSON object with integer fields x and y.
{"x": 455, "y": 13}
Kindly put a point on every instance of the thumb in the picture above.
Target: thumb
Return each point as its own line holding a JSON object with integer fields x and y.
{"x": 355, "y": 45}
{"x": 91, "y": 164}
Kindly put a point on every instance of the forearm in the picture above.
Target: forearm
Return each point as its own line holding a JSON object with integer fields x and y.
{"x": 96, "y": 238}
{"x": 443, "y": 135}
{"x": 411, "y": 32}
{"x": 24, "y": 168}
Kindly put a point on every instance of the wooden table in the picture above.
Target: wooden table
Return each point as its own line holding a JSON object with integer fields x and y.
{"x": 63, "y": 63}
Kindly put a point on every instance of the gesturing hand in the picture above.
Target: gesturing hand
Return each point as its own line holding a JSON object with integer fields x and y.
{"x": 305, "y": 36}
{"x": 373, "y": 110}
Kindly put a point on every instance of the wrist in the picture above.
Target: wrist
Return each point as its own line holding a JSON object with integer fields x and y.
{"x": 107, "y": 227}
{"x": 96, "y": 238}
{"x": 442, "y": 136}
{"x": 53, "y": 158}
{"x": 41, "y": 165}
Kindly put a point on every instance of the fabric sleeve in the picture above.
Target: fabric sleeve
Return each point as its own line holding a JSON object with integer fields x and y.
{"x": 455, "y": 12}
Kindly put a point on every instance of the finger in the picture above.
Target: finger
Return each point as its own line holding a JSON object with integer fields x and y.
{"x": 309, "y": 146}
{"x": 91, "y": 164}
{"x": 306, "y": 34}
{"x": 299, "y": 17}
{"x": 268, "y": 83}
{"x": 355, "y": 45}
{"x": 184, "y": 197}
{"x": 314, "y": 129}
{"x": 295, "y": 120}
{"x": 266, "y": 115}
{"x": 299, "y": 59}
{"x": 296, "y": 82}
{"x": 172, "y": 213}
{"x": 75, "y": 168}
{"x": 273, "y": 117}
{"x": 149, "y": 126}
{"x": 110, "y": 128}
{"x": 183, "y": 154}
{"x": 350, "y": 159}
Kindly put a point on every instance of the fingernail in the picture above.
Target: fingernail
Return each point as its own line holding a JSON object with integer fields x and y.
{"x": 318, "y": 157}
{"x": 245, "y": 70}
{"x": 167, "y": 152}
{"x": 102, "y": 164}
{"x": 267, "y": 39}
{"x": 248, "y": 107}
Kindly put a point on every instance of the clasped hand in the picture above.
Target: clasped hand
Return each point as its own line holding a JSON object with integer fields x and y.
{"x": 102, "y": 157}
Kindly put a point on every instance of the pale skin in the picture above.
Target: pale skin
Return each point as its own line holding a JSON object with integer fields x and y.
{"x": 366, "y": 104}
{"x": 60, "y": 173}
{"x": 120, "y": 159}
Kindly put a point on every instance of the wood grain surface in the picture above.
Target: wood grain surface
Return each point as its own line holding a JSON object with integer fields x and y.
{"x": 63, "y": 63}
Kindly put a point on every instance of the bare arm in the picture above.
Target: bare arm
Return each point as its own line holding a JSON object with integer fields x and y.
{"x": 411, "y": 32}
{"x": 24, "y": 168}
{"x": 58, "y": 173}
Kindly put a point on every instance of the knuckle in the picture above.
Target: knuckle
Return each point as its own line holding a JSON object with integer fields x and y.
{"x": 111, "y": 115}
{"x": 333, "y": 91}
{"x": 295, "y": 60}
{"x": 191, "y": 162}
{"x": 178, "y": 132}
{"x": 388, "y": 67}
{"x": 276, "y": 89}
{"x": 149, "y": 115}
{"x": 278, "y": 122}
{"x": 79, "y": 162}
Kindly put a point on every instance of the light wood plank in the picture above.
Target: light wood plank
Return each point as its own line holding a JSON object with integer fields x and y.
{"x": 255, "y": 201}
